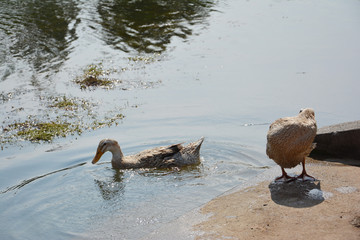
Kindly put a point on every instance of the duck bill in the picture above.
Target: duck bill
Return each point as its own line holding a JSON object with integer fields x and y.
{"x": 98, "y": 155}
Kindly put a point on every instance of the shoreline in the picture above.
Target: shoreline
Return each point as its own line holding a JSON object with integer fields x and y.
{"x": 302, "y": 210}
{"x": 263, "y": 209}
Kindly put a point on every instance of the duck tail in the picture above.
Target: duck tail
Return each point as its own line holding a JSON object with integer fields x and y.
{"x": 197, "y": 144}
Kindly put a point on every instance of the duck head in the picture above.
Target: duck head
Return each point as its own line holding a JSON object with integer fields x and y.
{"x": 307, "y": 113}
{"x": 106, "y": 145}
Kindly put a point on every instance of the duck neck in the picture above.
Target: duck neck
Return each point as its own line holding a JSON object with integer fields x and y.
{"x": 117, "y": 157}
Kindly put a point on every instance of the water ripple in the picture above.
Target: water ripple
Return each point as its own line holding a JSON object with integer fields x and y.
{"x": 27, "y": 181}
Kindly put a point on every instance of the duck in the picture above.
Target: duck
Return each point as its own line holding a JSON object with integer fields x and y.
{"x": 290, "y": 141}
{"x": 175, "y": 155}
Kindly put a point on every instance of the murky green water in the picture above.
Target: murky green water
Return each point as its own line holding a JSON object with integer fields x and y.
{"x": 182, "y": 70}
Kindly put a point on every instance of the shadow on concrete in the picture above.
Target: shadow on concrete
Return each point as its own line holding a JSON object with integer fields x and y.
{"x": 296, "y": 194}
{"x": 329, "y": 158}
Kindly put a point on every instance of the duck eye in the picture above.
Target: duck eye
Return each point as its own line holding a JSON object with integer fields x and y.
{"x": 102, "y": 144}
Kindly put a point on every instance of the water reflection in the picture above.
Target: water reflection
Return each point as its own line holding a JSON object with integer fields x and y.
{"x": 39, "y": 31}
{"x": 148, "y": 25}
{"x": 112, "y": 188}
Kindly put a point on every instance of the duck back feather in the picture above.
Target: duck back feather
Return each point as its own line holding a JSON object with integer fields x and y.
{"x": 290, "y": 139}
{"x": 175, "y": 155}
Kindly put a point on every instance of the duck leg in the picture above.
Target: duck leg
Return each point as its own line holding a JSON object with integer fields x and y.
{"x": 284, "y": 177}
{"x": 304, "y": 176}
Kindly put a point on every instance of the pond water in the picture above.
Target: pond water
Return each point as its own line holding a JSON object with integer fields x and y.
{"x": 183, "y": 69}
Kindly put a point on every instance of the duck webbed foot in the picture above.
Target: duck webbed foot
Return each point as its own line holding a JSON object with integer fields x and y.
{"x": 284, "y": 177}
{"x": 305, "y": 177}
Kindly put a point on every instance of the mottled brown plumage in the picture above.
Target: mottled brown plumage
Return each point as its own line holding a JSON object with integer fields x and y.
{"x": 175, "y": 155}
{"x": 290, "y": 140}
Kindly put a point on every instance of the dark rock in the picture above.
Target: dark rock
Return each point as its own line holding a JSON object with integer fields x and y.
{"x": 340, "y": 140}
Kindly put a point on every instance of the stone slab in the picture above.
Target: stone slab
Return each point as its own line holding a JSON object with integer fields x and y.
{"x": 340, "y": 140}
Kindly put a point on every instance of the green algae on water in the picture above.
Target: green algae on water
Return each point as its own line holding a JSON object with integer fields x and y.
{"x": 71, "y": 104}
{"x": 44, "y": 131}
{"x": 65, "y": 103}
{"x": 37, "y": 131}
{"x": 145, "y": 59}
{"x": 71, "y": 116}
{"x": 108, "y": 121}
{"x": 61, "y": 116}
{"x": 94, "y": 76}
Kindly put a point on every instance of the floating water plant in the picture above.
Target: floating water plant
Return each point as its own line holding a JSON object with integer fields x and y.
{"x": 61, "y": 116}
{"x": 72, "y": 116}
{"x": 42, "y": 131}
{"x": 94, "y": 76}
{"x": 145, "y": 59}
{"x": 108, "y": 121}
{"x": 71, "y": 104}
{"x": 65, "y": 103}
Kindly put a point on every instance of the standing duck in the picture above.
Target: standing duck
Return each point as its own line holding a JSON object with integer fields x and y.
{"x": 290, "y": 141}
{"x": 175, "y": 155}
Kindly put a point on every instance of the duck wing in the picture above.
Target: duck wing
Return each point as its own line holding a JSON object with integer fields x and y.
{"x": 155, "y": 157}
{"x": 188, "y": 155}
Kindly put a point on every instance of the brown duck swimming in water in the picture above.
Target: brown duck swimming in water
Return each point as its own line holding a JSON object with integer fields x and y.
{"x": 290, "y": 141}
{"x": 175, "y": 155}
